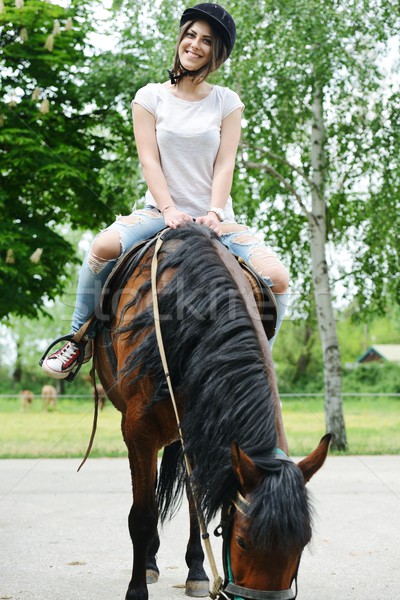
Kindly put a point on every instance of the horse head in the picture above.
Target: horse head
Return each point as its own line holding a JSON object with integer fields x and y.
{"x": 269, "y": 524}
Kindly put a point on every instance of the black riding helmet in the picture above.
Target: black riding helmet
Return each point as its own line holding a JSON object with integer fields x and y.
{"x": 219, "y": 19}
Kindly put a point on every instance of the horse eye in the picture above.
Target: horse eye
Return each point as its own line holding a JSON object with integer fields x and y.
{"x": 240, "y": 541}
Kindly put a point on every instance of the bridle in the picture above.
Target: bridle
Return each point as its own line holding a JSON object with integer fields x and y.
{"x": 230, "y": 590}
{"x": 226, "y": 590}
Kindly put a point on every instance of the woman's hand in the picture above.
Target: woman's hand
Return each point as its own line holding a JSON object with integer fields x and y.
{"x": 212, "y": 221}
{"x": 175, "y": 218}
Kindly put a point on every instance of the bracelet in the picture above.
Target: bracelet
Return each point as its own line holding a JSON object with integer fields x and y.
{"x": 169, "y": 206}
{"x": 218, "y": 211}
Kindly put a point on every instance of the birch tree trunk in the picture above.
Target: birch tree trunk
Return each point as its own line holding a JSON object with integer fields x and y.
{"x": 323, "y": 297}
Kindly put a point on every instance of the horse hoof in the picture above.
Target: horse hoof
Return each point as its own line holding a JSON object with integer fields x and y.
{"x": 197, "y": 589}
{"x": 151, "y": 576}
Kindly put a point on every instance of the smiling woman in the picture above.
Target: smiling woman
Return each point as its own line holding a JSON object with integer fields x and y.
{"x": 187, "y": 133}
{"x": 198, "y": 52}
{"x": 195, "y": 46}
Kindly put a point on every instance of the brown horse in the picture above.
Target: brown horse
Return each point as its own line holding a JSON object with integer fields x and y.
{"x": 222, "y": 376}
{"x": 49, "y": 397}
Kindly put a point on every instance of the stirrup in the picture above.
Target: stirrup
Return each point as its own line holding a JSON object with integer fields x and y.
{"x": 81, "y": 345}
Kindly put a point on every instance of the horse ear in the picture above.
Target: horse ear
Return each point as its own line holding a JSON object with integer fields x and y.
{"x": 247, "y": 473}
{"x": 314, "y": 461}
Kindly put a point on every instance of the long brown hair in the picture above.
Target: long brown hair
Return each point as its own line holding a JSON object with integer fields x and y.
{"x": 218, "y": 55}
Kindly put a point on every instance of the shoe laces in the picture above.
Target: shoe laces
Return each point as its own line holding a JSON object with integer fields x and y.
{"x": 69, "y": 351}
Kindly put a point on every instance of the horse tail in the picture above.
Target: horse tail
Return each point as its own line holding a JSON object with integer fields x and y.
{"x": 171, "y": 481}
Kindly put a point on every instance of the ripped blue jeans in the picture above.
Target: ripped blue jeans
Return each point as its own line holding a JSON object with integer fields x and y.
{"x": 145, "y": 223}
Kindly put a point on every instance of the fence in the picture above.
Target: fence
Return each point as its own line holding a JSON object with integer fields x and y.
{"x": 282, "y": 395}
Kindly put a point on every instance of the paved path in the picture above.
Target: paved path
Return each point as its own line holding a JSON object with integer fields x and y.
{"x": 64, "y": 535}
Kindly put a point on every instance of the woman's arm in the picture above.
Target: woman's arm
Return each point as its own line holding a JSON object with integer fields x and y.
{"x": 144, "y": 128}
{"x": 224, "y": 163}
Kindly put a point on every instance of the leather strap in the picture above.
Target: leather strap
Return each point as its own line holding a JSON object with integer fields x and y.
{"x": 248, "y": 594}
{"x": 241, "y": 504}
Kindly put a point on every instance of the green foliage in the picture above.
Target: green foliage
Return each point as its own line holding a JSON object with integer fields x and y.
{"x": 379, "y": 378}
{"x": 52, "y": 149}
{"x": 23, "y": 340}
{"x": 77, "y": 162}
{"x": 298, "y": 355}
{"x": 67, "y": 154}
{"x": 356, "y": 337}
{"x": 284, "y": 49}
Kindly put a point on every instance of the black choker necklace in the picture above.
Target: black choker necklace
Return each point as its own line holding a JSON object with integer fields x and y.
{"x": 185, "y": 73}
{"x": 174, "y": 78}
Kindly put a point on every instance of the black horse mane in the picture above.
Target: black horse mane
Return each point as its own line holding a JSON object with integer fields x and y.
{"x": 218, "y": 375}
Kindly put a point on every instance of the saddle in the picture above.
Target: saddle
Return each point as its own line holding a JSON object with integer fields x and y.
{"x": 264, "y": 298}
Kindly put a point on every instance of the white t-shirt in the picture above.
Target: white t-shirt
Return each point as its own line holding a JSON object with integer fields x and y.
{"x": 188, "y": 137}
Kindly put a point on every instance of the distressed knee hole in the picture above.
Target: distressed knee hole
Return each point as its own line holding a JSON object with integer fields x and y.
{"x": 267, "y": 264}
{"x": 106, "y": 246}
{"x": 137, "y": 217}
{"x": 245, "y": 239}
{"x": 130, "y": 219}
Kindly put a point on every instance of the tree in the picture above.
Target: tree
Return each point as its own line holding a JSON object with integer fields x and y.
{"x": 23, "y": 340}
{"x": 319, "y": 149}
{"x": 318, "y": 170}
{"x": 53, "y": 149}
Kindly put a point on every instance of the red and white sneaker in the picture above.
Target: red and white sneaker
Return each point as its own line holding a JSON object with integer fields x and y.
{"x": 60, "y": 364}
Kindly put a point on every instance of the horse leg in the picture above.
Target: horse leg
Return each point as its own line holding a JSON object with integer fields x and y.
{"x": 152, "y": 570}
{"x": 197, "y": 582}
{"x": 143, "y": 515}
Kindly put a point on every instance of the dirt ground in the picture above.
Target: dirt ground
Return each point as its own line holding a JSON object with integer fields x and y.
{"x": 64, "y": 534}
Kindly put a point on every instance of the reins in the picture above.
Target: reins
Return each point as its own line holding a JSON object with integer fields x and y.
{"x": 217, "y": 584}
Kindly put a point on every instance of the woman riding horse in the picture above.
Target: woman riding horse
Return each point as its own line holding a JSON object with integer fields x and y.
{"x": 187, "y": 134}
{"x": 219, "y": 364}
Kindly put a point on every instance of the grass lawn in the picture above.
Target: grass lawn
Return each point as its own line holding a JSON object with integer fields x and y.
{"x": 62, "y": 433}
{"x": 372, "y": 424}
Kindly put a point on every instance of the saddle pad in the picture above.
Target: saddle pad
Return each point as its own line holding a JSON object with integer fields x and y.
{"x": 264, "y": 298}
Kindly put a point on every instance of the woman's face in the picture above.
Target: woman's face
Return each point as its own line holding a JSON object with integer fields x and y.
{"x": 195, "y": 47}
